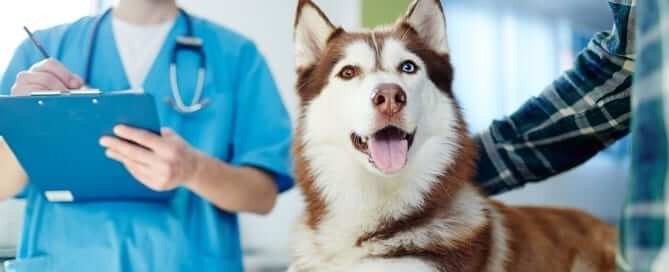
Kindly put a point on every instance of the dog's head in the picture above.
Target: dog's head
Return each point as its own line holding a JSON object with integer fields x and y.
{"x": 381, "y": 98}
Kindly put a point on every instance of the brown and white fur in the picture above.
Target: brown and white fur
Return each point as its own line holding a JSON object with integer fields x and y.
{"x": 406, "y": 202}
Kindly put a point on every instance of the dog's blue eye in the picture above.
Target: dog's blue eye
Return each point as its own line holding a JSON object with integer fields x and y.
{"x": 408, "y": 67}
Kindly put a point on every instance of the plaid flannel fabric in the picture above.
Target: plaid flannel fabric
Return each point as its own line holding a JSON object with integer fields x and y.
{"x": 644, "y": 244}
{"x": 581, "y": 113}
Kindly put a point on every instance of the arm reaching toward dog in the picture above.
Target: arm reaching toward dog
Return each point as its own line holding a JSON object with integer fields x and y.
{"x": 579, "y": 114}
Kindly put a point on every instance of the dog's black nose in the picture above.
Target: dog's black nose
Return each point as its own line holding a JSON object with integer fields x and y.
{"x": 389, "y": 99}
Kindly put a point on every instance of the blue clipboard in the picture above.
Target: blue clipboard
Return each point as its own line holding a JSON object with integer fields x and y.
{"x": 55, "y": 136}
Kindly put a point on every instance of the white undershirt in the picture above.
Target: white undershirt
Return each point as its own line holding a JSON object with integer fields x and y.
{"x": 138, "y": 46}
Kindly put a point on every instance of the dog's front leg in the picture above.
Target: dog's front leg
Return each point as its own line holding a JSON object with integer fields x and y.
{"x": 393, "y": 265}
{"x": 383, "y": 247}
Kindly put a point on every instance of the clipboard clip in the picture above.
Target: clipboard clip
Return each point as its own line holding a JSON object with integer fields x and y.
{"x": 73, "y": 92}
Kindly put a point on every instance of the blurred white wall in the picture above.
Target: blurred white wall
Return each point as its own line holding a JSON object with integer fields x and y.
{"x": 35, "y": 14}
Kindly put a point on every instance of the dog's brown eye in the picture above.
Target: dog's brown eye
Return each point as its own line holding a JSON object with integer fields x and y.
{"x": 408, "y": 67}
{"x": 348, "y": 72}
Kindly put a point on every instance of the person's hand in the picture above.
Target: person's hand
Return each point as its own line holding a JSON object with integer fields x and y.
{"x": 46, "y": 75}
{"x": 162, "y": 163}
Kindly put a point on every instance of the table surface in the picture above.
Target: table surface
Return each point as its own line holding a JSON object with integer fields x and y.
{"x": 2, "y": 266}
{"x": 11, "y": 220}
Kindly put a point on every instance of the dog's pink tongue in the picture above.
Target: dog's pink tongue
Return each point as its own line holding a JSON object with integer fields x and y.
{"x": 389, "y": 155}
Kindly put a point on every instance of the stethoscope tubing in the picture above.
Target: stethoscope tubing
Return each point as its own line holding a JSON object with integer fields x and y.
{"x": 187, "y": 42}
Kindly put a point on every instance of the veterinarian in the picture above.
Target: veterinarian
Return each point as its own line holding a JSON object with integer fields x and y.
{"x": 230, "y": 155}
{"x": 589, "y": 108}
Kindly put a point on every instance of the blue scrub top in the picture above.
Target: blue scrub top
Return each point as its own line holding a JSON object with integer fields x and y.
{"x": 245, "y": 124}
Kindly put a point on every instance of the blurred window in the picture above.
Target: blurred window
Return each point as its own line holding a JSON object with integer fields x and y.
{"x": 503, "y": 56}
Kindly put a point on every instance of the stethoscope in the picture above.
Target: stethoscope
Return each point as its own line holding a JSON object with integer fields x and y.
{"x": 188, "y": 42}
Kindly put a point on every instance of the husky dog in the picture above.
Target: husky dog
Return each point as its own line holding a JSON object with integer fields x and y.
{"x": 385, "y": 163}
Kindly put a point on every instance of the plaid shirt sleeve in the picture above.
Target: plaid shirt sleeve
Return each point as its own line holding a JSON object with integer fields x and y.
{"x": 644, "y": 230}
{"x": 579, "y": 114}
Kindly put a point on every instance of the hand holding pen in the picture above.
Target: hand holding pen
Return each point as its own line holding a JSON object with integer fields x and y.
{"x": 46, "y": 75}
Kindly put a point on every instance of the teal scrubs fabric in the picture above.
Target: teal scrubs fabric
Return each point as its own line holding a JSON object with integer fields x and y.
{"x": 244, "y": 124}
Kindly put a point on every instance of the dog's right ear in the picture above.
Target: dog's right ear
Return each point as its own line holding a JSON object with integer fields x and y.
{"x": 427, "y": 18}
{"x": 312, "y": 32}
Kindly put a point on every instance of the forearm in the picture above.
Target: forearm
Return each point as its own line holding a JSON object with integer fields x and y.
{"x": 235, "y": 189}
{"x": 542, "y": 140}
{"x": 12, "y": 177}
{"x": 510, "y": 161}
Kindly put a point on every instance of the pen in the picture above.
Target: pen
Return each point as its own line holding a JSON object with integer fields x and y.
{"x": 43, "y": 51}
{"x": 36, "y": 42}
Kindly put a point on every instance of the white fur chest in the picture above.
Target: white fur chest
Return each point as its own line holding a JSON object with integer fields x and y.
{"x": 332, "y": 246}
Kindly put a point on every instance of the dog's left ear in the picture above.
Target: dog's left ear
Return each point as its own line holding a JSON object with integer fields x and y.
{"x": 427, "y": 18}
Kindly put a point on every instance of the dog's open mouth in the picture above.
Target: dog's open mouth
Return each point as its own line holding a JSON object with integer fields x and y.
{"x": 387, "y": 149}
